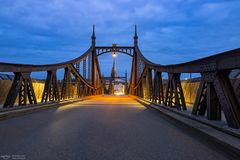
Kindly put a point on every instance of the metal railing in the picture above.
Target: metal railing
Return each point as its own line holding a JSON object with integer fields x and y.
{"x": 215, "y": 93}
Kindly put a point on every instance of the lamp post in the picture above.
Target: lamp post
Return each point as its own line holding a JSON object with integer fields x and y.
{"x": 114, "y": 45}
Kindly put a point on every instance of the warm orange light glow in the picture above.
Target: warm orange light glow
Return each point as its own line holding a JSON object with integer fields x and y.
{"x": 111, "y": 99}
{"x": 114, "y": 55}
{"x": 119, "y": 93}
{"x": 114, "y": 45}
{"x": 103, "y": 101}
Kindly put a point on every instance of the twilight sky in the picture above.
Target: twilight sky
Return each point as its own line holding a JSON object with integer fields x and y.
{"x": 170, "y": 31}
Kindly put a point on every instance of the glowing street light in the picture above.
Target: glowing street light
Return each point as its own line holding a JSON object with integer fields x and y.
{"x": 114, "y": 55}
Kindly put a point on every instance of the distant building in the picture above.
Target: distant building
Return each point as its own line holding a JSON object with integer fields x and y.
{"x": 114, "y": 71}
{"x": 115, "y": 85}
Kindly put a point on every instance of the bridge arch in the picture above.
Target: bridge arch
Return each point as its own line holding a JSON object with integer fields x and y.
{"x": 128, "y": 50}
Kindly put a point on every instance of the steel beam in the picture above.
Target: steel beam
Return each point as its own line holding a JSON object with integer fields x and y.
{"x": 215, "y": 93}
{"x": 50, "y": 92}
{"x": 21, "y": 87}
{"x": 174, "y": 93}
{"x": 66, "y": 82}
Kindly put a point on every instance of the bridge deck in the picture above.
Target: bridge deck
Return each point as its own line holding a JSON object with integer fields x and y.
{"x": 103, "y": 128}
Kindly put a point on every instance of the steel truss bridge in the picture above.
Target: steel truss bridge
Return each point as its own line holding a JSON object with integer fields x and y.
{"x": 215, "y": 93}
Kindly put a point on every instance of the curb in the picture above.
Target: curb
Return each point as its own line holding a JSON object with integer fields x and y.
{"x": 230, "y": 143}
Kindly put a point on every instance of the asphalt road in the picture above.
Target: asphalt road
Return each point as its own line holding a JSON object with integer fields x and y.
{"x": 106, "y": 128}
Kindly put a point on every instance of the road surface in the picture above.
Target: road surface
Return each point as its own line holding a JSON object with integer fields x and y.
{"x": 104, "y": 128}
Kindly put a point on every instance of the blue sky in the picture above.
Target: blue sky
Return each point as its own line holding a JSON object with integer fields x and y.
{"x": 170, "y": 31}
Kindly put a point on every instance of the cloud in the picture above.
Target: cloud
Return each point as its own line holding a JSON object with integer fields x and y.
{"x": 218, "y": 11}
{"x": 150, "y": 11}
{"x": 33, "y": 30}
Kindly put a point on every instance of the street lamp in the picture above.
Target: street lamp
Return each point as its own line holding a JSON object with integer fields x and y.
{"x": 114, "y": 55}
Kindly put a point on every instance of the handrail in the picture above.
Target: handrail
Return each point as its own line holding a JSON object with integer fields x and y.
{"x": 214, "y": 82}
{"x": 12, "y": 67}
{"x": 222, "y": 61}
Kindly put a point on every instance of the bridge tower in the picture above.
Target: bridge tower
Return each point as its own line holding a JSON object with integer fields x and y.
{"x": 135, "y": 37}
{"x": 133, "y": 80}
{"x": 94, "y": 59}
